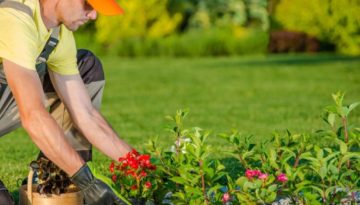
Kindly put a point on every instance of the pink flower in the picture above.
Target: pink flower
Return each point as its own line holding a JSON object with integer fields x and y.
{"x": 263, "y": 176}
{"x": 282, "y": 178}
{"x": 257, "y": 172}
{"x": 226, "y": 197}
{"x": 252, "y": 173}
{"x": 249, "y": 173}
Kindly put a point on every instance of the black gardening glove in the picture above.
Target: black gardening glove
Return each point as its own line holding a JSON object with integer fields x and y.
{"x": 96, "y": 192}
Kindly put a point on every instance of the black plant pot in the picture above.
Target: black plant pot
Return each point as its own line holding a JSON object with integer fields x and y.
{"x": 139, "y": 201}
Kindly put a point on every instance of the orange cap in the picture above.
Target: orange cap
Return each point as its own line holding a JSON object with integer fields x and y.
{"x": 106, "y": 7}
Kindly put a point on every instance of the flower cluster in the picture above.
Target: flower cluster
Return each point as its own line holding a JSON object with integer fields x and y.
{"x": 282, "y": 178}
{"x": 251, "y": 174}
{"x": 134, "y": 174}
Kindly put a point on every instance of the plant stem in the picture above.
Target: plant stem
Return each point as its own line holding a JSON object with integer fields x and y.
{"x": 262, "y": 159}
{"x": 353, "y": 196}
{"x": 344, "y": 121}
{"x": 203, "y": 182}
{"x": 178, "y": 143}
{"x": 324, "y": 192}
{"x": 243, "y": 162}
{"x": 297, "y": 160}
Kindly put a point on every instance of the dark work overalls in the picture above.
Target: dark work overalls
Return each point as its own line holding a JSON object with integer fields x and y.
{"x": 92, "y": 74}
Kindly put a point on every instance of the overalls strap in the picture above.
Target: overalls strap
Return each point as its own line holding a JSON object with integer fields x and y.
{"x": 16, "y": 5}
{"x": 49, "y": 46}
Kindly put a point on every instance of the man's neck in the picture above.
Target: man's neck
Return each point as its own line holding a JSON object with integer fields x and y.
{"x": 49, "y": 14}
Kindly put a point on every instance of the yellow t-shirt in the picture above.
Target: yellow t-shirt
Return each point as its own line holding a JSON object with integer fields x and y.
{"x": 22, "y": 39}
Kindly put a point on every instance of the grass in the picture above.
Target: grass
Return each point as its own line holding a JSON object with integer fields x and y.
{"x": 255, "y": 95}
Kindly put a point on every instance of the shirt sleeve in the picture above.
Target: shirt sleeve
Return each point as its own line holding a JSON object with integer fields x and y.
{"x": 18, "y": 37}
{"x": 63, "y": 59}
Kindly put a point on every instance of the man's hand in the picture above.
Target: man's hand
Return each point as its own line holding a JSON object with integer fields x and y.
{"x": 95, "y": 191}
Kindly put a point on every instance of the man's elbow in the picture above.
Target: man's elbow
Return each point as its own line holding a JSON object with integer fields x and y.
{"x": 33, "y": 119}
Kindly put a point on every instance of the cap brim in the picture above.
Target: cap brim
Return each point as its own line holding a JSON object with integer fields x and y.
{"x": 106, "y": 7}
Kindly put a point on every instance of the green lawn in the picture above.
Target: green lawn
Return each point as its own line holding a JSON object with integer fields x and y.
{"x": 255, "y": 95}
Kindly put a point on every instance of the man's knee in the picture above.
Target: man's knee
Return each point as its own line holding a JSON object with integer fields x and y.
{"x": 90, "y": 67}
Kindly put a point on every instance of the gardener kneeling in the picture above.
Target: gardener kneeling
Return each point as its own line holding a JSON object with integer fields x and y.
{"x": 41, "y": 70}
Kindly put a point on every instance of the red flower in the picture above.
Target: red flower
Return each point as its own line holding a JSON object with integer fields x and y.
{"x": 111, "y": 167}
{"x": 131, "y": 173}
{"x": 144, "y": 160}
{"x": 134, "y": 164}
{"x": 134, "y": 152}
{"x": 143, "y": 173}
{"x": 144, "y": 157}
{"x": 114, "y": 178}
{"x": 134, "y": 187}
{"x": 152, "y": 167}
{"x": 148, "y": 185}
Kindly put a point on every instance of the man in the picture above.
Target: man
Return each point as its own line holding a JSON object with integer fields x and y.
{"x": 41, "y": 70}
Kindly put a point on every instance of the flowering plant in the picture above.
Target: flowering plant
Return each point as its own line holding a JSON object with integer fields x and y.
{"x": 258, "y": 187}
{"x": 135, "y": 175}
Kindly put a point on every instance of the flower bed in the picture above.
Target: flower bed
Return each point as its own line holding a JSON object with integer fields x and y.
{"x": 321, "y": 167}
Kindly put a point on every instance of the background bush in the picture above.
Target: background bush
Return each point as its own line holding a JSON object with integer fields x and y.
{"x": 181, "y": 28}
{"x": 220, "y": 27}
{"x": 335, "y": 21}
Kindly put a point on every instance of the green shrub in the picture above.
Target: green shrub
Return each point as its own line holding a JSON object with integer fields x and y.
{"x": 334, "y": 21}
{"x": 142, "y": 19}
{"x": 196, "y": 42}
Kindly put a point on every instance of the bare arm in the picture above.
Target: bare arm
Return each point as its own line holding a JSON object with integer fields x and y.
{"x": 42, "y": 128}
{"x": 86, "y": 117}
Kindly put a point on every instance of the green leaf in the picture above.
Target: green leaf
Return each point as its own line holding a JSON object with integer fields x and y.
{"x": 323, "y": 172}
{"x": 350, "y": 155}
{"x": 179, "y": 195}
{"x": 338, "y": 98}
{"x": 317, "y": 189}
{"x": 178, "y": 180}
{"x": 311, "y": 198}
{"x": 331, "y": 119}
{"x": 329, "y": 190}
{"x": 333, "y": 169}
{"x": 272, "y": 158}
{"x": 249, "y": 185}
{"x": 257, "y": 184}
{"x": 270, "y": 197}
{"x": 302, "y": 185}
{"x": 353, "y": 106}
{"x": 107, "y": 181}
{"x": 168, "y": 117}
{"x": 241, "y": 181}
{"x": 319, "y": 153}
{"x": 343, "y": 147}
{"x": 272, "y": 188}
